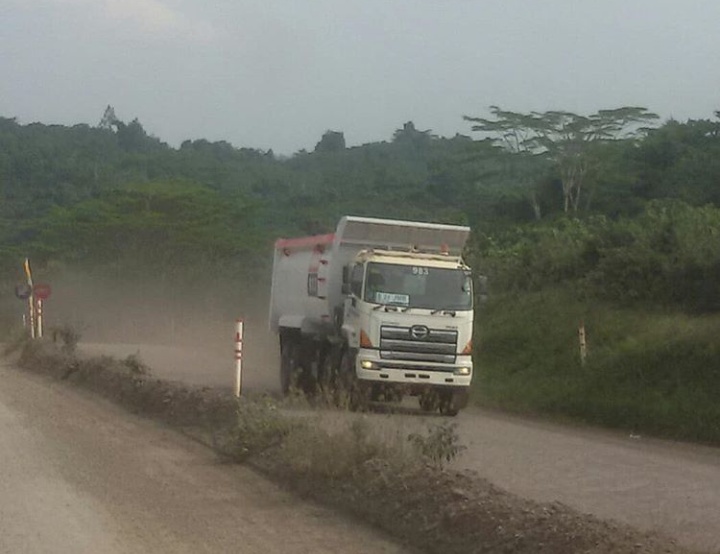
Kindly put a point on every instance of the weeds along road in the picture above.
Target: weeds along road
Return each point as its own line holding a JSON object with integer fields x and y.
{"x": 650, "y": 484}
{"x": 79, "y": 475}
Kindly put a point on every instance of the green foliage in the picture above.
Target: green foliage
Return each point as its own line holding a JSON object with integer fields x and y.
{"x": 680, "y": 160}
{"x": 570, "y": 142}
{"x": 647, "y": 370}
{"x": 76, "y": 194}
{"x": 668, "y": 255}
{"x": 340, "y": 450}
{"x": 160, "y": 224}
{"x": 331, "y": 141}
{"x": 259, "y": 426}
{"x": 440, "y": 446}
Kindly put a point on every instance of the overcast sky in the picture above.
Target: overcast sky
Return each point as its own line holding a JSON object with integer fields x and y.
{"x": 278, "y": 73}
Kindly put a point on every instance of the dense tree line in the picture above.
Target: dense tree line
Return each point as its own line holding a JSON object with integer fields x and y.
{"x": 527, "y": 183}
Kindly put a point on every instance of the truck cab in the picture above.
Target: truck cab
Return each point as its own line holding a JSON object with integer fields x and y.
{"x": 407, "y": 321}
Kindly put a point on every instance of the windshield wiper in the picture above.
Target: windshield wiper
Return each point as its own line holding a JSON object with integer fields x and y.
{"x": 444, "y": 311}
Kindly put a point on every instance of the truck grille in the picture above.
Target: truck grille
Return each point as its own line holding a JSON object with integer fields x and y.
{"x": 418, "y": 343}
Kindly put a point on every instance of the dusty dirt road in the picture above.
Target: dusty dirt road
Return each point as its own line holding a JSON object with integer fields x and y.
{"x": 653, "y": 485}
{"x": 79, "y": 475}
{"x": 650, "y": 484}
{"x": 213, "y": 368}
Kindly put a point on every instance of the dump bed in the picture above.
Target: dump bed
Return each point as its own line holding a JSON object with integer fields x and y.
{"x": 389, "y": 234}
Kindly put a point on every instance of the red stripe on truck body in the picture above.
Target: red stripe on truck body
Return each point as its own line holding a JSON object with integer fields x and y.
{"x": 305, "y": 242}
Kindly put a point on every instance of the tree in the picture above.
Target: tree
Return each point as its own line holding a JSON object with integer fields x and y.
{"x": 409, "y": 134}
{"x": 515, "y": 154}
{"x": 565, "y": 139}
{"x": 331, "y": 141}
{"x": 163, "y": 225}
{"x": 681, "y": 160}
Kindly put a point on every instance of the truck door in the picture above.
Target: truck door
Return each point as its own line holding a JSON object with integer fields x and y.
{"x": 351, "y": 314}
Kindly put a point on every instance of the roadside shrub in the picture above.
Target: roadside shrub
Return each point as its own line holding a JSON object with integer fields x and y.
{"x": 441, "y": 445}
{"x": 258, "y": 426}
{"x": 335, "y": 450}
{"x": 651, "y": 370}
{"x": 135, "y": 364}
{"x": 667, "y": 256}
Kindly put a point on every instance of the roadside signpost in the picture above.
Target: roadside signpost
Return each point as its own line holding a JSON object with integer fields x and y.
{"x": 35, "y": 294}
{"x": 42, "y": 291}
{"x": 30, "y": 298}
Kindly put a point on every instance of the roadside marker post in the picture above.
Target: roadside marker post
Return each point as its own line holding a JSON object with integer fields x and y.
{"x": 582, "y": 337}
{"x": 31, "y": 298}
{"x": 239, "y": 329}
{"x": 39, "y": 315}
{"x": 41, "y": 292}
{"x": 35, "y": 294}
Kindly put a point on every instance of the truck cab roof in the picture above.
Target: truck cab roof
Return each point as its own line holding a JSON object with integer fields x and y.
{"x": 412, "y": 258}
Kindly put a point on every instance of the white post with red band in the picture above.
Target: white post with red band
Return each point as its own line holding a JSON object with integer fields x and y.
{"x": 238, "y": 356}
{"x": 39, "y": 318}
{"x": 582, "y": 336}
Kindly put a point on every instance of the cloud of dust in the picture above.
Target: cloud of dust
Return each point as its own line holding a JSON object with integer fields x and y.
{"x": 186, "y": 320}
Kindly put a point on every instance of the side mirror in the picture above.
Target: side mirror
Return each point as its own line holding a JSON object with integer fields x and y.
{"x": 345, "y": 275}
{"x": 346, "y": 288}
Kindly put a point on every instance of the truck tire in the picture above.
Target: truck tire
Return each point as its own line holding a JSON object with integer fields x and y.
{"x": 328, "y": 370}
{"x": 448, "y": 404}
{"x": 288, "y": 365}
{"x": 429, "y": 401}
{"x": 356, "y": 392}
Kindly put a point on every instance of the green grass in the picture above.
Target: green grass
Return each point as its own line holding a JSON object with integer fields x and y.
{"x": 652, "y": 371}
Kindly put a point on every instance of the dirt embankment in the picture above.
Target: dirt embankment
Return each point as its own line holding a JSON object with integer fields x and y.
{"x": 422, "y": 504}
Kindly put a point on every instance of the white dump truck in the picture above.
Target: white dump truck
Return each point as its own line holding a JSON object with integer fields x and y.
{"x": 380, "y": 308}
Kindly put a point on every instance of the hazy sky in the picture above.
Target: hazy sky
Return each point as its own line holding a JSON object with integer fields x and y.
{"x": 278, "y": 73}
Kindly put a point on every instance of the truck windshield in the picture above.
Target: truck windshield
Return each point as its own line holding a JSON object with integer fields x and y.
{"x": 418, "y": 286}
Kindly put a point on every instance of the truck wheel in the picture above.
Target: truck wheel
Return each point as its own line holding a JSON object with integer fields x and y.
{"x": 448, "y": 405}
{"x": 328, "y": 370}
{"x": 356, "y": 392}
{"x": 429, "y": 401}
{"x": 288, "y": 366}
{"x": 342, "y": 379}
{"x": 359, "y": 397}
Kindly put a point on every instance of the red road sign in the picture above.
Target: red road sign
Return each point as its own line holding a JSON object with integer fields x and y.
{"x": 41, "y": 291}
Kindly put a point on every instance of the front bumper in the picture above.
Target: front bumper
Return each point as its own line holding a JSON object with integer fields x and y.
{"x": 412, "y": 373}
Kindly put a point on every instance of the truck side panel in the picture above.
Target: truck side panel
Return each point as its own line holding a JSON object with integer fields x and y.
{"x": 299, "y": 288}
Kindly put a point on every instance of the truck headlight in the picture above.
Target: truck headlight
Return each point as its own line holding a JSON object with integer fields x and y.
{"x": 367, "y": 364}
{"x": 465, "y": 371}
